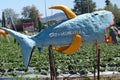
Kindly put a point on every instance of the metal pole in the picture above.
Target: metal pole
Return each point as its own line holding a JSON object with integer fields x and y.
{"x": 52, "y": 67}
{"x": 45, "y": 10}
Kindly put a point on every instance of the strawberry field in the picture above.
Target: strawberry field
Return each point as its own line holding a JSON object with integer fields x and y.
{"x": 80, "y": 63}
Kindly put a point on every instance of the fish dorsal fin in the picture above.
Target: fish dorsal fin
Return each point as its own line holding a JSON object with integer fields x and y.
{"x": 70, "y": 14}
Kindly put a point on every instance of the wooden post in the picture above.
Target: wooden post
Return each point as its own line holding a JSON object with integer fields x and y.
{"x": 94, "y": 70}
{"x": 95, "y": 63}
{"x": 98, "y": 62}
{"x": 98, "y": 65}
{"x": 51, "y": 61}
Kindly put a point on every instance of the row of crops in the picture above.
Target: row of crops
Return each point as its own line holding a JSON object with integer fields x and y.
{"x": 81, "y": 62}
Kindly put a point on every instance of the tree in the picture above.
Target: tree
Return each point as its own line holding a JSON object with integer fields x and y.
{"x": 11, "y": 13}
{"x": 31, "y": 12}
{"x": 26, "y": 12}
{"x": 109, "y": 6}
{"x": 107, "y": 2}
{"x": 116, "y": 13}
{"x": 84, "y": 6}
{"x": 115, "y": 10}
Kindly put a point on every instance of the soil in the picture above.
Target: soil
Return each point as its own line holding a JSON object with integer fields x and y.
{"x": 102, "y": 77}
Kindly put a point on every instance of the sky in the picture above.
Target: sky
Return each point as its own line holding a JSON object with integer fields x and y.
{"x": 43, "y": 5}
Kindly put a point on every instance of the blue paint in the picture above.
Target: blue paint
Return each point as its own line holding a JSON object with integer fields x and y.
{"x": 90, "y": 26}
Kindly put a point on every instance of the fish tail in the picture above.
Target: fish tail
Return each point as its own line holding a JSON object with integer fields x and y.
{"x": 27, "y": 47}
{"x": 26, "y": 43}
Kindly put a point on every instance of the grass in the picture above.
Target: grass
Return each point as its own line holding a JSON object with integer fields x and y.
{"x": 81, "y": 62}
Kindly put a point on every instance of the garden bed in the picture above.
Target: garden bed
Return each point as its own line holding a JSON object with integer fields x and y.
{"x": 81, "y": 62}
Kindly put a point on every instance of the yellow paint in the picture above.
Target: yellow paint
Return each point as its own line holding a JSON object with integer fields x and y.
{"x": 75, "y": 45}
{"x": 66, "y": 10}
{"x": 2, "y": 32}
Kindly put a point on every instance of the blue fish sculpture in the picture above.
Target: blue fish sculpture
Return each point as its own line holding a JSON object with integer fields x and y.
{"x": 87, "y": 27}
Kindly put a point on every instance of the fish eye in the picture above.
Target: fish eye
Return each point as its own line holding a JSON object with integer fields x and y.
{"x": 95, "y": 14}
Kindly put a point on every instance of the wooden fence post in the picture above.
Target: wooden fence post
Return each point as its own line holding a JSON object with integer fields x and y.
{"x": 51, "y": 61}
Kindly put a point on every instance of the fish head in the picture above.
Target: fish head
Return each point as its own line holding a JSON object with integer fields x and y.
{"x": 106, "y": 18}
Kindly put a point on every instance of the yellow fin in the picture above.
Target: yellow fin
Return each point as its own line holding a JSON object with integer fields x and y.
{"x": 75, "y": 45}
{"x": 2, "y": 32}
{"x": 70, "y": 14}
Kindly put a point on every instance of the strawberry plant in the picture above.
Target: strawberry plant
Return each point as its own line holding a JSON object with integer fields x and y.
{"x": 82, "y": 61}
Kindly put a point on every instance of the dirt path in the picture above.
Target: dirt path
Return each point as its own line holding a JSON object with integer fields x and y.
{"x": 102, "y": 77}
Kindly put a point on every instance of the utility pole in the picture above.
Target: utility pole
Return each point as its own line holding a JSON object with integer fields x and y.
{"x": 45, "y": 10}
